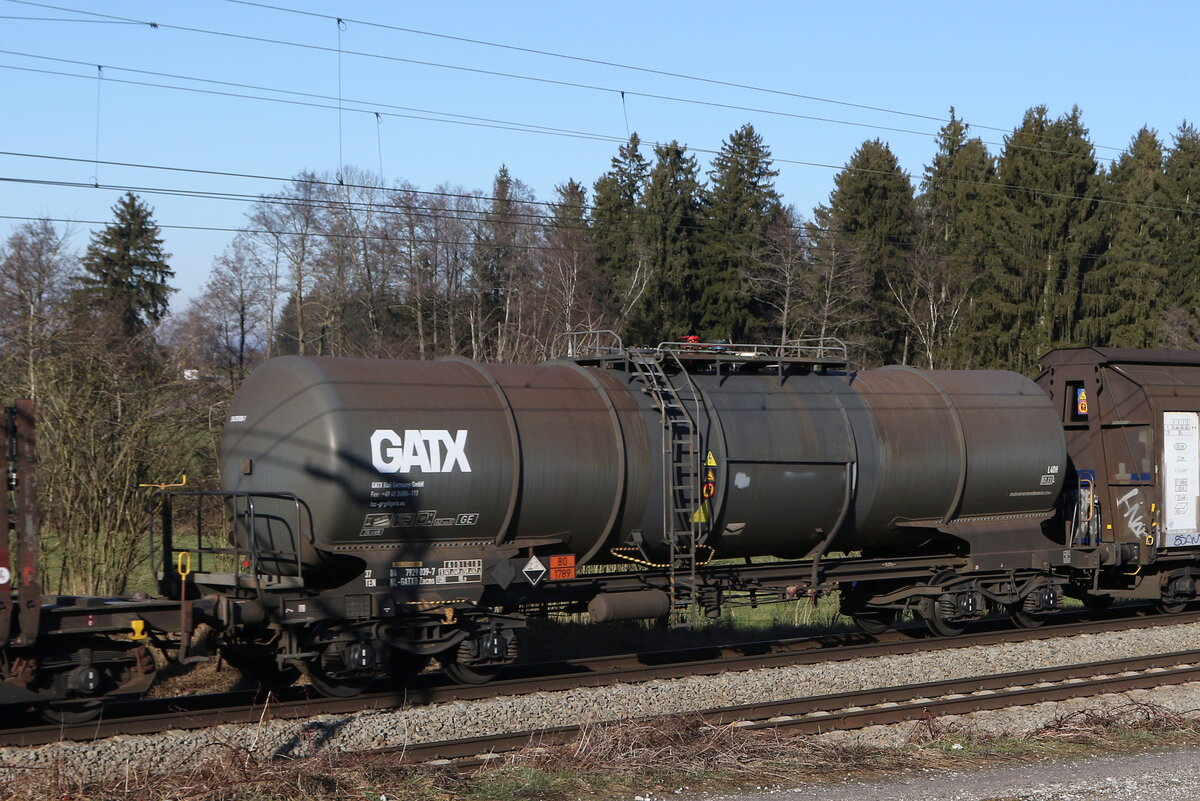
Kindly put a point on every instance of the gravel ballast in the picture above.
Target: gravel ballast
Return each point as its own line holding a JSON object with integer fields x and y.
{"x": 1163, "y": 776}
{"x": 112, "y": 758}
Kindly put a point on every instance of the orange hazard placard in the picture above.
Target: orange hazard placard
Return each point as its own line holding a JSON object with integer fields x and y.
{"x": 562, "y": 567}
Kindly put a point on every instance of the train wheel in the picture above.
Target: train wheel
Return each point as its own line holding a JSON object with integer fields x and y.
{"x": 939, "y": 625}
{"x": 461, "y": 673}
{"x": 938, "y": 612}
{"x": 874, "y": 621}
{"x": 69, "y": 713}
{"x": 1165, "y": 607}
{"x": 336, "y": 686}
{"x": 345, "y": 670}
{"x": 1023, "y": 619}
{"x": 404, "y": 664}
{"x": 1096, "y": 603}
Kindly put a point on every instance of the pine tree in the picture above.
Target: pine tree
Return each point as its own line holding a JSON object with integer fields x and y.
{"x": 616, "y": 223}
{"x": 1125, "y": 290}
{"x": 125, "y": 269}
{"x": 666, "y": 309}
{"x": 872, "y": 211}
{"x": 1048, "y": 233}
{"x": 1182, "y": 252}
{"x": 741, "y": 203}
{"x": 956, "y": 248}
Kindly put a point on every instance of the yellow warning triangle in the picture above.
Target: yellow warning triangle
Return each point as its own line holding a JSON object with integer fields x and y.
{"x": 701, "y": 514}
{"x": 710, "y": 461}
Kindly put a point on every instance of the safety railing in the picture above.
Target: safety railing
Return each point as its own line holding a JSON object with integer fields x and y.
{"x": 228, "y": 533}
{"x": 587, "y": 344}
{"x": 819, "y": 349}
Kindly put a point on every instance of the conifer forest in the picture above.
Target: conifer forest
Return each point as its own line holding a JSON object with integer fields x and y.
{"x": 987, "y": 259}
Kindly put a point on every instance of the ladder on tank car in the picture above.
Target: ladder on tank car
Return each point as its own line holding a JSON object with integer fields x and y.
{"x": 684, "y": 526}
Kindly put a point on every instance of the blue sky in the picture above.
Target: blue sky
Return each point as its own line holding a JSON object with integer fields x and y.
{"x": 1126, "y": 65}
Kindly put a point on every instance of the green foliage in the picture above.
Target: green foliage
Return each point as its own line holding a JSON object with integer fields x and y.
{"x": 873, "y": 216}
{"x": 498, "y": 253}
{"x": 529, "y": 783}
{"x": 1181, "y": 192}
{"x": 959, "y": 205}
{"x": 741, "y": 202}
{"x": 667, "y": 300}
{"x": 1125, "y": 290}
{"x": 617, "y": 221}
{"x": 1049, "y": 236}
{"x": 125, "y": 269}
{"x": 997, "y": 260}
{"x": 112, "y": 417}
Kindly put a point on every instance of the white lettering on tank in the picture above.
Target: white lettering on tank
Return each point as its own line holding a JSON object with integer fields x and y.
{"x": 427, "y": 450}
{"x": 415, "y": 453}
{"x": 386, "y": 458}
{"x": 456, "y": 450}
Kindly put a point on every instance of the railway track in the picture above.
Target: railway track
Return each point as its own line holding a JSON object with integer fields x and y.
{"x": 853, "y": 710}
{"x": 195, "y": 712}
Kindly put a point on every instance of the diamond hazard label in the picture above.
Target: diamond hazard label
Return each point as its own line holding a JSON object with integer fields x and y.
{"x": 534, "y": 570}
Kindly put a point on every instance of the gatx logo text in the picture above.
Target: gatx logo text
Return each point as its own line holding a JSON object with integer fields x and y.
{"x": 424, "y": 449}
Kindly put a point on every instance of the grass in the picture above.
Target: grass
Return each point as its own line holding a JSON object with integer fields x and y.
{"x": 572, "y": 636}
{"x": 661, "y": 756}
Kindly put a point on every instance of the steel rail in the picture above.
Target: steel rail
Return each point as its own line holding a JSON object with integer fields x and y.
{"x": 194, "y": 712}
{"x": 859, "y": 709}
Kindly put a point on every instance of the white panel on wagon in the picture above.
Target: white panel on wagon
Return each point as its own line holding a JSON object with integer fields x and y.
{"x": 1181, "y": 478}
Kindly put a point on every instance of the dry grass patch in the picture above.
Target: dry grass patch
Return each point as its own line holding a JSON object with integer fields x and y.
{"x": 648, "y": 757}
{"x": 658, "y": 756}
{"x": 1131, "y": 719}
{"x": 1081, "y": 732}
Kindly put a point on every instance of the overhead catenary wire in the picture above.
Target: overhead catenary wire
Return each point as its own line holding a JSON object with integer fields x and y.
{"x": 517, "y": 76}
{"x": 596, "y": 61}
{"x": 24, "y": 18}
{"x": 419, "y": 114}
{"x": 631, "y": 67}
{"x": 479, "y": 122}
{"x": 253, "y": 230}
{"x": 524, "y": 126}
{"x": 961, "y": 182}
{"x": 341, "y": 27}
{"x": 454, "y": 213}
{"x": 378, "y": 118}
{"x": 810, "y": 231}
{"x": 379, "y": 143}
{"x": 96, "y": 160}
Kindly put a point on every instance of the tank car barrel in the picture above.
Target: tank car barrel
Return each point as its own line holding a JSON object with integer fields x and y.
{"x": 408, "y": 457}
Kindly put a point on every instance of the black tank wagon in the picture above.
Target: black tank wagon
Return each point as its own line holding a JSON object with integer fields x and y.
{"x": 440, "y": 498}
{"x": 378, "y": 514}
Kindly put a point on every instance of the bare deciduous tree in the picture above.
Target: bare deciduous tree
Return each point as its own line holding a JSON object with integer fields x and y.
{"x": 837, "y": 288}
{"x": 35, "y": 270}
{"x": 931, "y": 292}
{"x": 285, "y": 229}
{"x": 781, "y": 275}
